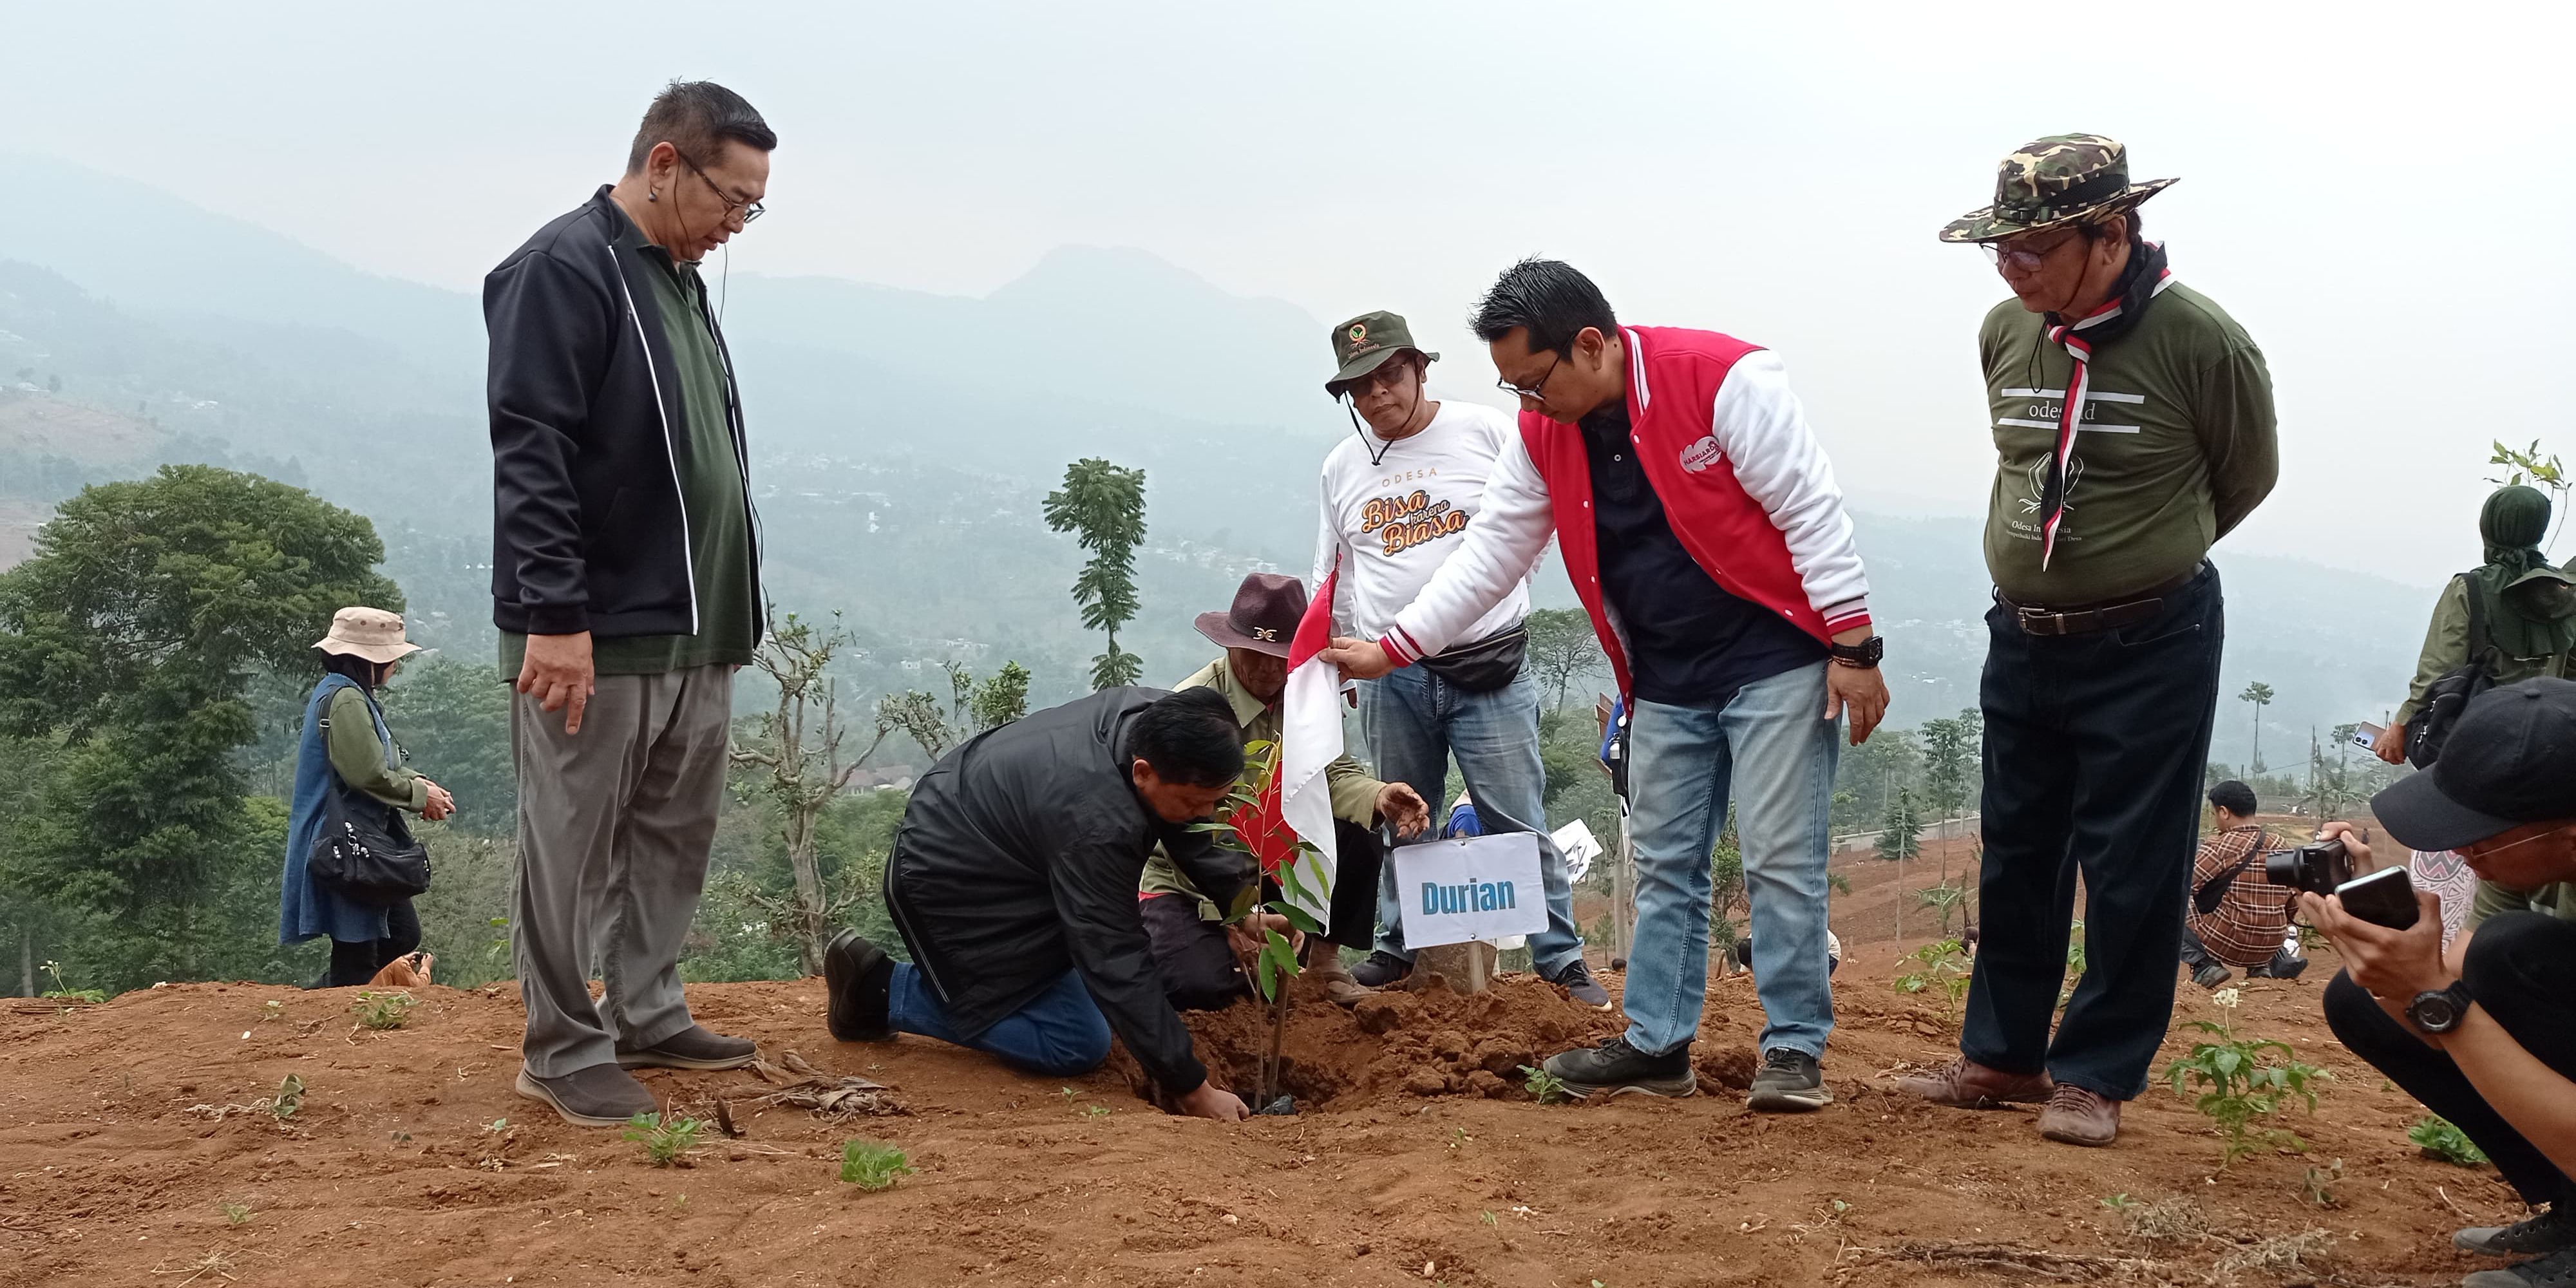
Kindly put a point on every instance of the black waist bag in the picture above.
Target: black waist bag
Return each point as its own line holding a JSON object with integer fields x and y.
{"x": 1486, "y": 665}
{"x": 365, "y": 852}
{"x": 2445, "y": 697}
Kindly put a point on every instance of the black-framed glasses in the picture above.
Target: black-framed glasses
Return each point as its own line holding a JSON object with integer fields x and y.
{"x": 1534, "y": 391}
{"x": 2019, "y": 253}
{"x": 751, "y": 210}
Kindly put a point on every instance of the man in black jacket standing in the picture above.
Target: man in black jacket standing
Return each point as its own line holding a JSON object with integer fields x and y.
{"x": 1013, "y": 882}
{"x": 626, "y": 585}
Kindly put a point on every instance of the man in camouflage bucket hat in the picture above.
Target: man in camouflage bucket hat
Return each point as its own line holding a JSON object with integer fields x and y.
{"x": 2133, "y": 427}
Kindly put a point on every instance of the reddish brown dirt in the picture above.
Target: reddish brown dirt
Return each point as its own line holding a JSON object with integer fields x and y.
{"x": 1418, "y": 1162}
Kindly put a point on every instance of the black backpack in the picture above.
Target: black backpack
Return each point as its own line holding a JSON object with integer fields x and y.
{"x": 2447, "y": 696}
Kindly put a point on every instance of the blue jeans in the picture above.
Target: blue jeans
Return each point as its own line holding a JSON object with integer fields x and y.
{"x": 1774, "y": 746}
{"x": 1059, "y": 1034}
{"x": 1416, "y": 721}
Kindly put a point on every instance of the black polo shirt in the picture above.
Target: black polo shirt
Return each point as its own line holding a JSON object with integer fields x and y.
{"x": 1690, "y": 644}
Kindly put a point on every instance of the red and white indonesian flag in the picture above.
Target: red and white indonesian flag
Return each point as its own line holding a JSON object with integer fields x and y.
{"x": 1310, "y": 738}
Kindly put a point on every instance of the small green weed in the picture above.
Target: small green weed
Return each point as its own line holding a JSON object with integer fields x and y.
{"x": 289, "y": 1097}
{"x": 1942, "y": 964}
{"x": 2244, "y": 1081}
{"x": 871, "y": 1166}
{"x": 2441, "y": 1141}
{"x": 236, "y": 1213}
{"x": 666, "y": 1140}
{"x": 61, "y": 993}
{"x": 272, "y": 1009}
{"x": 1543, "y": 1087}
{"x": 2318, "y": 1183}
{"x": 2121, "y": 1202}
{"x": 383, "y": 1010}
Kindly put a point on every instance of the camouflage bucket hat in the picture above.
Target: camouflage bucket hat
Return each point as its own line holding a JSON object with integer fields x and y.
{"x": 1364, "y": 343}
{"x": 2061, "y": 179}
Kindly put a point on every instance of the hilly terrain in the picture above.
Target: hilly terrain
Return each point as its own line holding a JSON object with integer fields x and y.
{"x": 902, "y": 445}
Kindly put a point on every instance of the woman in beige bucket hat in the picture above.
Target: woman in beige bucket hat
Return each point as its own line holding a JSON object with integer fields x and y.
{"x": 345, "y": 744}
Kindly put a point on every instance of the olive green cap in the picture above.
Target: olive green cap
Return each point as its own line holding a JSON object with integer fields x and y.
{"x": 1364, "y": 343}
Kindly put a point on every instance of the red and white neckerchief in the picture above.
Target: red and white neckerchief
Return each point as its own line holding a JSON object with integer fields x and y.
{"x": 2052, "y": 495}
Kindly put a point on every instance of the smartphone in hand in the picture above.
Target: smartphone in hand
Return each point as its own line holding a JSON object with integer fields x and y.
{"x": 2366, "y": 736}
{"x": 2383, "y": 898}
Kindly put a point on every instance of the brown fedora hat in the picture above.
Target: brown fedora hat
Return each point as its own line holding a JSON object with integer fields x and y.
{"x": 1267, "y": 608}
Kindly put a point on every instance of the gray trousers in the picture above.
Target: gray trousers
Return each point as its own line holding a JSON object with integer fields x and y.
{"x": 615, "y": 824}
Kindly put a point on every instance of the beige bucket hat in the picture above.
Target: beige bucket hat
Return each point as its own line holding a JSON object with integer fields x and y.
{"x": 371, "y": 633}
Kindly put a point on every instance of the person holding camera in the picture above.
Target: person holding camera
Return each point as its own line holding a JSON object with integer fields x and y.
{"x": 2238, "y": 917}
{"x": 2483, "y": 1034}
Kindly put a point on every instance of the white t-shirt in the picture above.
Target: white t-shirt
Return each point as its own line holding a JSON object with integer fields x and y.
{"x": 1393, "y": 521}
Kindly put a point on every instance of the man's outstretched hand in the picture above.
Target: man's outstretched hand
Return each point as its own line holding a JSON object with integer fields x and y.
{"x": 1402, "y": 808}
{"x": 1358, "y": 659}
{"x": 1213, "y": 1101}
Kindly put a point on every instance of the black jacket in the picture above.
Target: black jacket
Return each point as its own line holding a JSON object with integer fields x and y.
{"x": 1017, "y": 861}
{"x": 589, "y": 532}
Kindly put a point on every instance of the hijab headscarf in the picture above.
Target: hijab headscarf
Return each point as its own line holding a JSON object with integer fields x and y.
{"x": 2531, "y": 604}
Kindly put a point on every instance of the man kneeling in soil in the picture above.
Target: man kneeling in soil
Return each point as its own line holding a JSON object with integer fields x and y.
{"x": 1199, "y": 955}
{"x": 1013, "y": 882}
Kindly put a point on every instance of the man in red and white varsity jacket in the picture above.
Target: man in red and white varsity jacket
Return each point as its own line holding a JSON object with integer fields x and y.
{"x": 1704, "y": 534}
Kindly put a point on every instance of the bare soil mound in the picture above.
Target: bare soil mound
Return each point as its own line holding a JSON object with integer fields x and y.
{"x": 140, "y": 1146}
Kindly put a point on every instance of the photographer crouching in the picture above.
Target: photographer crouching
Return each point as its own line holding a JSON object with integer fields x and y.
{"x": 2484, "y": 1035}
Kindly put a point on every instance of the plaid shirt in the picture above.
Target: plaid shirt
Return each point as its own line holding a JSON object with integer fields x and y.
{"x": 2254, "y": 916}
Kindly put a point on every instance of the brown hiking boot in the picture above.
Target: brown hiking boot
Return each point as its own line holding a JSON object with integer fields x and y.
{"x": 1965, "y": 1084}
{"x": 1326, "y": 968}
{"x": 2076, "y": 1116}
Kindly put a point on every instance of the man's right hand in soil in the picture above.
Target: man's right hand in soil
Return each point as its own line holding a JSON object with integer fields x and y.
{"x": 1213, "y": 1101}
{"x": 557, "y": 670}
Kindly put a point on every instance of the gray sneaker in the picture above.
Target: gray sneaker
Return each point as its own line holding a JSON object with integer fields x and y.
{"x": 2557, "y": 1270}
{"x": 2547, "y": 1232}
{"x": 1616, "y": 1068}
{"x": 602, "y": 1095}
{"x": 1576, "y": 979}
{"x": 695, "y": 1047}
{"x": 1789, "y": 1082}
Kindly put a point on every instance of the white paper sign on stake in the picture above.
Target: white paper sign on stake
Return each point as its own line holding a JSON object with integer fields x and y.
{"x": 1476, "y": 887}
{"x": 1576, "y": 842}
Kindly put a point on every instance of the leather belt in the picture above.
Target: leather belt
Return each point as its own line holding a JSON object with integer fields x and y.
{"x": 2084, "y": 619}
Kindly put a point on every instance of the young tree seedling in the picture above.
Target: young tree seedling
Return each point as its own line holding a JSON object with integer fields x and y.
{"x": 871, "y": 1166}
{"x": 666, "y": 1140}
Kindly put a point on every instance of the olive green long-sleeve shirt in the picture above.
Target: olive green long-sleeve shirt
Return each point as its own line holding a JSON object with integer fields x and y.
{"x": 1354, "y": 791}
{"x": 2446, "y": 647}
{"x": 358, "y": 755}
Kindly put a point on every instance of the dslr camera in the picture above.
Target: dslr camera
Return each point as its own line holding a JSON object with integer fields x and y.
{"x": 2317, "y": 867}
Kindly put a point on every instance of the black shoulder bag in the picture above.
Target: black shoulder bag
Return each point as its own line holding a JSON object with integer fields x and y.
{"x": 364, "y": 851}
{"x": 2445, "y": 697}
{"x": 2213, "y": 892}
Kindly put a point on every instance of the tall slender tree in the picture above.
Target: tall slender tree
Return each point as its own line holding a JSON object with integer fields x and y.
{"x": 1103, "y": 505}
{"x": 2260, "y": 694}
{"x": 799, "y": 747}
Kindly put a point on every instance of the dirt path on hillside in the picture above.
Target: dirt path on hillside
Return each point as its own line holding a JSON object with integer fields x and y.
{"x": 1418, "y": 1161}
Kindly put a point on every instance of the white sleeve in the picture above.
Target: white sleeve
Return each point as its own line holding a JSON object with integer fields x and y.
{"x": 1758, "y": 422}
{"x": 1513, "y": 522}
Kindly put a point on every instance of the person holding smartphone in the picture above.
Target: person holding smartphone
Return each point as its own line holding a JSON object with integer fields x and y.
{"x": 2483, "y": 1033}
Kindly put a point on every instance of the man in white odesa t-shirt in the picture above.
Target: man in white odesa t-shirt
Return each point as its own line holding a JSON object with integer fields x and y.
{"x": 1397, "y": 497}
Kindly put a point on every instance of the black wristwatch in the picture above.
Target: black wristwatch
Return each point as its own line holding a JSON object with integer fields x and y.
{"x": 2440, "y": 1010}
{"x": 1863, "y": 655}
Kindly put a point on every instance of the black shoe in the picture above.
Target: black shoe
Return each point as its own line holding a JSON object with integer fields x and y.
{"x": 1381, "y": 969}
{"x": 1616, "y": 1068}
{"x": 2282, "y": 966}
{"x": 856, "y": 976}
{"x": 2557, "y": 1270}
{"x": 2551, "y": 1231}
{"x": 1576, "y": 979}
{"x": 694, "y": 1047}
{"x": 1789, "y": 1082}
{"x": 2210, "y": 976}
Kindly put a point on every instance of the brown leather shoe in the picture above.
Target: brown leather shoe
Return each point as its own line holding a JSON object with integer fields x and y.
{"x": 1328, "y": 972}
{"x": 2076, "y": 1116}
{"x": 1965, "y": 1084}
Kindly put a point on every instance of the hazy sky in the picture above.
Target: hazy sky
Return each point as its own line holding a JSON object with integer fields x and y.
{"x": 2380, "y": 195}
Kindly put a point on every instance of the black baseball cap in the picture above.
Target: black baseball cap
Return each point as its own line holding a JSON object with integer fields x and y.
{"x": 2510, "y": 760}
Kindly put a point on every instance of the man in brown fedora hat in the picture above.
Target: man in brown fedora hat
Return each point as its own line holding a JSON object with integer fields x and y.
{"x": 1198, "y": 955}
{"x": 2133, "y": 427}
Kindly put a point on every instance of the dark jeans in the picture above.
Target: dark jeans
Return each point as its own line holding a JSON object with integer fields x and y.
{"x": 354, "y": 962}
{"x": 2521, "y": 968}
{"x": 2094, "y": 749}
{"x": 1198, "y": 967}
{"x": 1059, "y": 1034}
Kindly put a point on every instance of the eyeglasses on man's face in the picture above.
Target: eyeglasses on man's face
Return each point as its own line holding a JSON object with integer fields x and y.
{"x": 1535, "y": 391}
{"x": 751, "y": 210}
